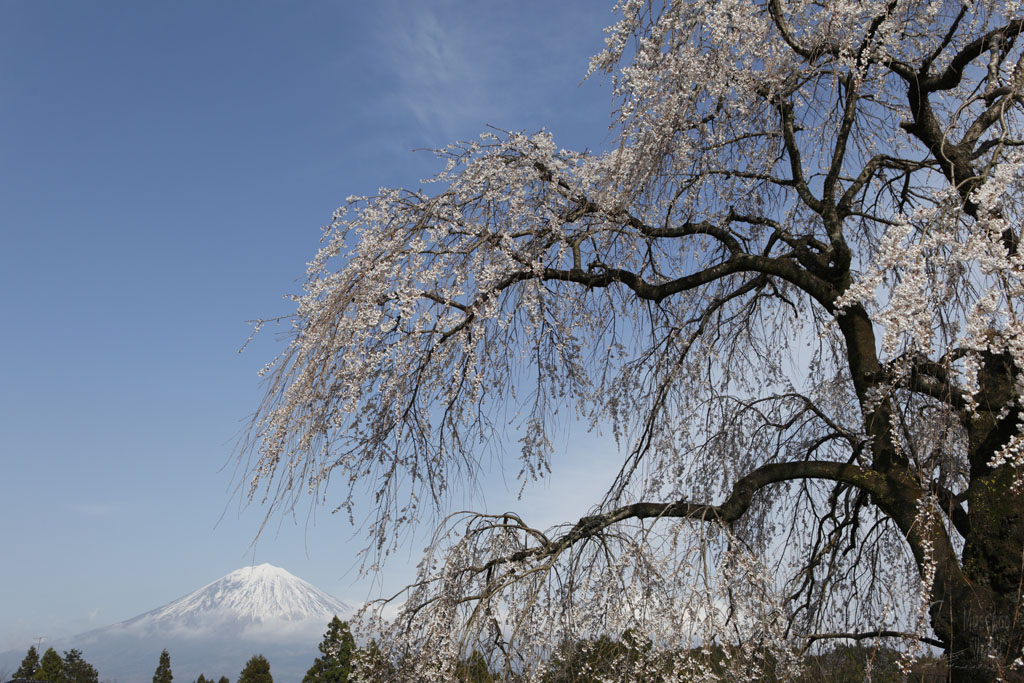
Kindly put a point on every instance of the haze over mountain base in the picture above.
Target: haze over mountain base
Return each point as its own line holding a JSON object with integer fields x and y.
{"x": 214, "y": 630}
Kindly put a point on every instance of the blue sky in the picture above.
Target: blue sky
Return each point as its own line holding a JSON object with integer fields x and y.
{"x": 165, "y": 170}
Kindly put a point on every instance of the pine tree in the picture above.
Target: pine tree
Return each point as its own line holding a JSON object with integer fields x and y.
{"x": 257, "y": 670}
{"x": 29, "y": 665}
{"x": 337, "y": 648}
{"x": 201, "y": 679}
{"x": 77, "y": 670}
{"x": 163, "y": 670}
{"x": 51, "y": 667}
{"x": 223, "y": 679}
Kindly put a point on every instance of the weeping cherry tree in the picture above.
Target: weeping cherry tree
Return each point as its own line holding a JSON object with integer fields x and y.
{"x": 788, "y": 295}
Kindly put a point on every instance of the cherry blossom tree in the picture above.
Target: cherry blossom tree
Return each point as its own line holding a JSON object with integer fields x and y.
{"x": 788, "y": 295}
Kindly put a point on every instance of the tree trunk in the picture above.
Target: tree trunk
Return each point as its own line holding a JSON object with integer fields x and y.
{"x": 987, "y": 626}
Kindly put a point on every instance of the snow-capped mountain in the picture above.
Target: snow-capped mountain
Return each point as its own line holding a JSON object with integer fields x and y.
{"x": 214, "y": 630}
{"x": 249, "y": 601}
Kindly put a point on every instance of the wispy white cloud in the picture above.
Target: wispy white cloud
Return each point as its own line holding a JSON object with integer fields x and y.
{"x": 437, "y": 75}
{"x": 93, "y": 509}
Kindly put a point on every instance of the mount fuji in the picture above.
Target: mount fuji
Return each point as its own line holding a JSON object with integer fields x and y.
{"x": 260, "y": 602}
{"x": 214, "y": 630}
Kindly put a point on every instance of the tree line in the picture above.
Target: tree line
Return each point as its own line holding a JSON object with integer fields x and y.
{"x": 71, "y": 668}
{"x": 256, "y": 670}
{"x": 338, "y": 653}
{"x": 605, "y": 658}
{"x": 587, "y": 660}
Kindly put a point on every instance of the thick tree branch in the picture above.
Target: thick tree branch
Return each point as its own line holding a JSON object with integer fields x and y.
{"x": 954, "y": 72}
{"x": 728, "y": 511}
{"x": 601, "y": 275}
{"x": 881, "y": 633}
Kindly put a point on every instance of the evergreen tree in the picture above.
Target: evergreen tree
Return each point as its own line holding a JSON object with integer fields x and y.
{"x": 163, "y": 669}
{"x": 337, "y": 648}
{"x": 29, "y": 665}
{"x": 77, "y": 670}
{"x": 202, "y": 679}
{"x": 223, "y": 679}
{"x": 51, "y": 667}
{"x": 257, "y": 670}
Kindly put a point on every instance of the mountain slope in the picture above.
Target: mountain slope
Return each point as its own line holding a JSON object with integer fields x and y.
{"x": 248, "y": 601}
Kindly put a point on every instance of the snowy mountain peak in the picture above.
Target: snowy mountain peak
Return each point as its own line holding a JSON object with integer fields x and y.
{"x": 260, "y": 574}
{"x": 254, "y": 596}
